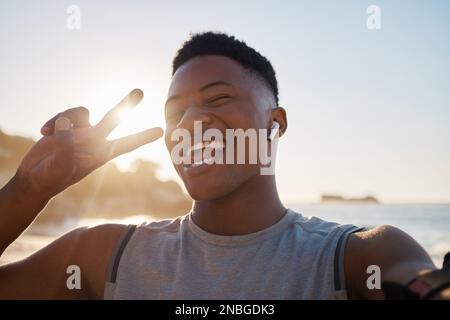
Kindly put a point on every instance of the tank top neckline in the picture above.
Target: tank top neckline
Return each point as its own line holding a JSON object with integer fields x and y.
{"x": 245, "y": 239}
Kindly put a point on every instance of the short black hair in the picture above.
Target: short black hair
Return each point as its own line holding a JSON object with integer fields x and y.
{"x": 215, "y": 43}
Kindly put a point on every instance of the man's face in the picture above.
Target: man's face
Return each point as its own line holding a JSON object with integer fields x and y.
{"x": 221, "y": 94}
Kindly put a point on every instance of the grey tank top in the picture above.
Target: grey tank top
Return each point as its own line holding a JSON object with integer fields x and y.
{"x": 296, "y": 258}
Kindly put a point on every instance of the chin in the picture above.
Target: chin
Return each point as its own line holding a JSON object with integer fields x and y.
{"x": 207, "y": 191}
{"x": 214, "y": 182}
{"x": 211, "y": 187}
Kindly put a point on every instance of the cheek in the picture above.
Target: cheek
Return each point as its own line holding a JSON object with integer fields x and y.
{"x": 246, "y": 115}
{"x": 258, "y": 119}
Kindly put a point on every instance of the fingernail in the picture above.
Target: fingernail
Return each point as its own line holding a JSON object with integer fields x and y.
{"x": 136, "y": 94}
{"x": 62, "y": 124}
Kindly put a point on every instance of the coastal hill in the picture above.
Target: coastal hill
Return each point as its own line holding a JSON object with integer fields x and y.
{"x": 336, "y": 199}
{"x": 106, "y": 193}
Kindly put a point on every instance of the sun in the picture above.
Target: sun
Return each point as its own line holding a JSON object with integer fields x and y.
{"x": 147, "y": 114}
{"x": 125, "y": 116}
{"x": 133, "y": 120}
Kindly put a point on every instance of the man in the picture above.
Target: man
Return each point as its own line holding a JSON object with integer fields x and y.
{"x": 239, "y": 241}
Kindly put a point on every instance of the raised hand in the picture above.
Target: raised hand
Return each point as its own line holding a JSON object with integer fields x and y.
{"x": 71, "y": 148}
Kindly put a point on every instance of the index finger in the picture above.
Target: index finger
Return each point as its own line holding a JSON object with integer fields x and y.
{"x": 78, "y": 116}
{"x": 111, "y": 118}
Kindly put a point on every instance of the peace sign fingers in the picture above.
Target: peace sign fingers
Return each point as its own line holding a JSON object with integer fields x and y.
{"x": 111, "y": 118}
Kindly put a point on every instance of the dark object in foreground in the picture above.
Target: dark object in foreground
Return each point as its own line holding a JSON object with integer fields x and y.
{"x": 421, "y": 288}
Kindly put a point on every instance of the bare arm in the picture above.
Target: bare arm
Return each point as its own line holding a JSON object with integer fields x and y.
{"x": 70, "y": 149}
{"x": 44, "y": 274}
{"x": 18, "y": 209}
{"x": 399, "y": 257}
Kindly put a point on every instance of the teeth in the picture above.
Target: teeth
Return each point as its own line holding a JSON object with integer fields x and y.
{"x": 195, "y": 147}
{"x": 200, "y": 146}
{"x": 215, "y": 145}
{"x": 208, "y": 160}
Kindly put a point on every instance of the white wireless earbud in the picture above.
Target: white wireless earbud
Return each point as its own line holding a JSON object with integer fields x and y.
{"x": 274, "y": 130}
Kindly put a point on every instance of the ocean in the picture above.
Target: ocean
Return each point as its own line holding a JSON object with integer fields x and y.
{"x": 428, "y": 224}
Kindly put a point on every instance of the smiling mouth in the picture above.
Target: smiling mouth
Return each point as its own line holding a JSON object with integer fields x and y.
{"x": 198, "y": 151}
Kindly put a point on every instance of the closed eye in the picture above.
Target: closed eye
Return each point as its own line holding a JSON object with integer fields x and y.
{"x": 218, "y": 100}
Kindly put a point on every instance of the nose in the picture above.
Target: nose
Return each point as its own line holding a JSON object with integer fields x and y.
{"x": 192, "y": 115}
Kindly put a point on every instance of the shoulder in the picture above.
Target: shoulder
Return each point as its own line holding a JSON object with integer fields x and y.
{"x": 43, "y": 275}
{"x": 84, "y": 241}
{"x": 99, "y": 232}
{"x": 159, "y": 230}
{"x": 397, "y": 255}
{"x": 385, "y": 244}
{"x": 91, "y": 249}
{"x": 165, "y": 225}
{"x": 314, "y": 229}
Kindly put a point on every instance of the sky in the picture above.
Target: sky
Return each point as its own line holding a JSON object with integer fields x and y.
{"x": 368, "y": 110}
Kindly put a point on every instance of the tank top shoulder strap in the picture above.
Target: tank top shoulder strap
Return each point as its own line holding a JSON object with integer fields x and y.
{"x": 339, "y": 272}
{"x": 118, "y": 251}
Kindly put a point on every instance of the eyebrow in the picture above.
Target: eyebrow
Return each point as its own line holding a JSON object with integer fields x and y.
{"x": 205, "y": 87}
{"x": 215, "y": 83}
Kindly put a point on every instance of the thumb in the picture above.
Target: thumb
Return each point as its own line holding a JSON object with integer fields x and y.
{"x": 64, "y": 145}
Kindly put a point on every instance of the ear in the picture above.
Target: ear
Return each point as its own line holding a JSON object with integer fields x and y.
{"x": 278, "y": 114}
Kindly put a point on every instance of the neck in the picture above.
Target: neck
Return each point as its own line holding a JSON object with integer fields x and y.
{"x": 254, "y": 206}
